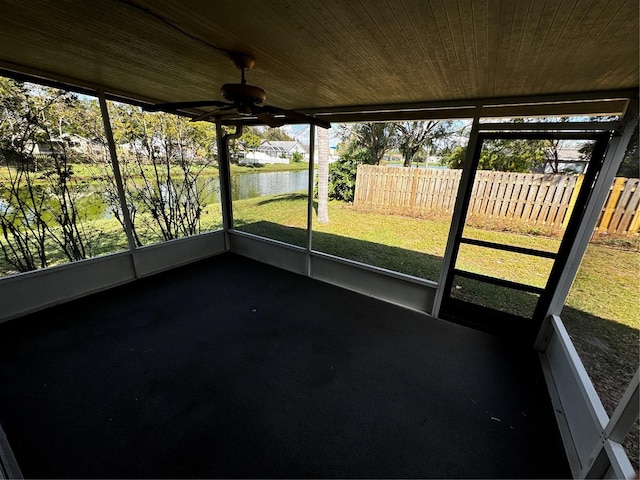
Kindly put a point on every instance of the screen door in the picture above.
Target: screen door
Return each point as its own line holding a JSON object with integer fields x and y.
{"x": 517, "y": 228}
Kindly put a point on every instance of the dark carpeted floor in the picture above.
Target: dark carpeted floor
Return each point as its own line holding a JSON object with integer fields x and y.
{"x": 232, "y": 368}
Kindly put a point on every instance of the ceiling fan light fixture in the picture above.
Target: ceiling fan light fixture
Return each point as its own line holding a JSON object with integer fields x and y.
{"x": 245, "y": 110}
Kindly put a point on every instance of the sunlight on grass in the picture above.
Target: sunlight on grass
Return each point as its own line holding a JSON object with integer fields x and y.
{"x": 515, "y": 267}
{"x": 602, "y": 317}
{"x": 608, "y": 282}
{"x": 415, "y": 246}
{"x": 278, "y": 217}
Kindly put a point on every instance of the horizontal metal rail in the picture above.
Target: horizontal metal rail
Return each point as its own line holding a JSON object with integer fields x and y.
{"x": 542, "y": 135}
{"x": 499, "y": 282}
{"x": 553, "y": 126}
{"x": 508, "y": 248}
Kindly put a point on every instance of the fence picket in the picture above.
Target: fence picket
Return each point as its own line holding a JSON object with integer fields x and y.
{"x": 610, "y": 204}
{"x": 558, "y": 186}
{"x": 477, "y": 196}
{"x": 533, "y": 184}
{"x": 623, "y": 207}
{"x": 520, "y": 193}
{"x": 453, "y": 180}
{"x": 632, "y": 212}
{"x": 565, "y": 199}
{"x": 548, "y": 204}
{"x": 496, "y": 201}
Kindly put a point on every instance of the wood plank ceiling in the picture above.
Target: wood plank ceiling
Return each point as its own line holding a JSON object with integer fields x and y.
{"x": 320, "y": 55}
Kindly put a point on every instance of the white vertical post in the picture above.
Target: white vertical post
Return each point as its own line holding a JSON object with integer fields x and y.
{"x": 224, "y": 175}
{"x": 626, "y": 413}
{"x": 312, "y": 154}
{"x": 323, "y": 175}
{"x": 116, "y": 170}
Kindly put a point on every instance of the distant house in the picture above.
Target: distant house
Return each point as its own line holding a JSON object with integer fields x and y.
{"x": 68, "y": 143}
{"x": 83, "y": 145}
{"x": 45, "y": 148}
{"x": 570, "y": 160}
{"x": 283, "y": 149}
{"x": 261, "y": 158}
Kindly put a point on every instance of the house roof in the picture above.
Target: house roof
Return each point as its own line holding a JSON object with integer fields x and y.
{"x": 327, "y": 56}
{"x": 283, "y": 145}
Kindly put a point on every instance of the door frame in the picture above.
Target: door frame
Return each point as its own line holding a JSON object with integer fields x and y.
{"x": 496, "y": 321}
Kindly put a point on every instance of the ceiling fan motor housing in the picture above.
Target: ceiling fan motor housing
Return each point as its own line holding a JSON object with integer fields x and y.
{"x": 243, "y": 93}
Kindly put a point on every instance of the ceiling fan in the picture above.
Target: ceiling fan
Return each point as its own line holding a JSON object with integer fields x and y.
{"x": 245, "y": 99}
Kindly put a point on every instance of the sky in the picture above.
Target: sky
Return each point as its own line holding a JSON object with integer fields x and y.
{"x": 301, "y": 134}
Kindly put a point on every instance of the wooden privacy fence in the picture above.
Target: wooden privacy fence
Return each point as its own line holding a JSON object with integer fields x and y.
{"x": 539, "y": 199}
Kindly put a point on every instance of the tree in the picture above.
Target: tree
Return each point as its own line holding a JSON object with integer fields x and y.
{"x": 454, "y": 157}
{"x": 41, "y": 220}
{"x": 512, "y": 155}
{"x": 275, "y": 134}
{"x": 161, "y": 157}
{"x": 551, "y": 148}
{"x": 342, "y": 175}
{"x": 24, "y": 229}
{"x": 250, "y": 137}
{"x": 630, "y": 164}
{"x": 323, "y": 174}
{"x": 162, "y": 172}
{"x": 376, "y": 138}
{"x": 412, "y": 137}
{"x": 552, "y": 154}
{"x": 502, "y": 155}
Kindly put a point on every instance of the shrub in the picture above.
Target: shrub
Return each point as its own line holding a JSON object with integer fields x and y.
{"x": 342, "y": 175}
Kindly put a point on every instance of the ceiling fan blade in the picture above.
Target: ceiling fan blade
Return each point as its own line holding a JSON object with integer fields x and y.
{"x": 178, "y": 105}
{"x": 293, "y": 115}
{"x": 213, "y": 113}
{"x": 269, "y": 119}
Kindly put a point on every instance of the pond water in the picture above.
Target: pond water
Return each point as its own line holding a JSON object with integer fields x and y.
{"x": 93, "y": 205}
{"x": 244, "y": 185}
{"x": 249, "y": 185}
